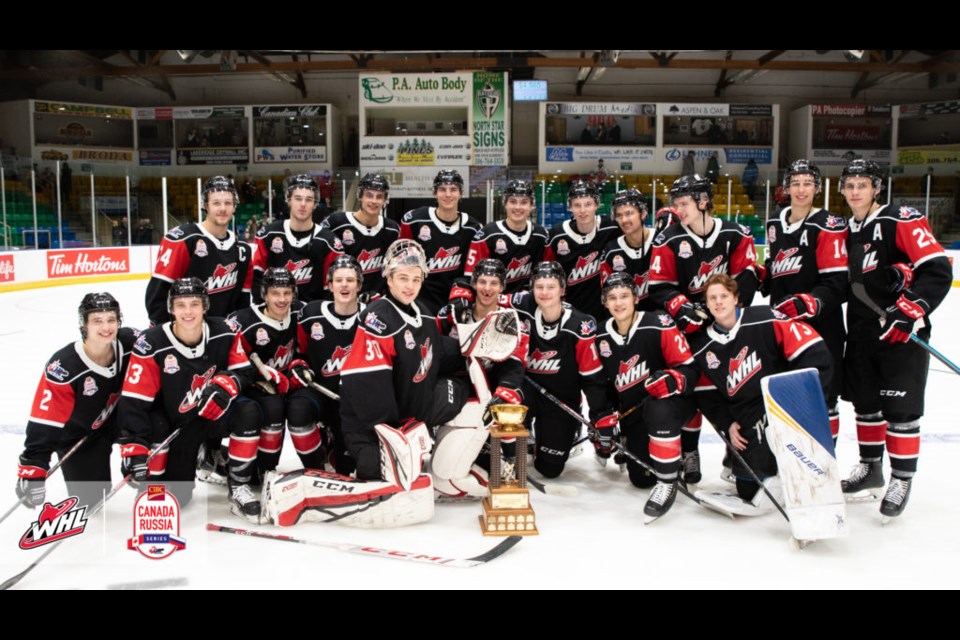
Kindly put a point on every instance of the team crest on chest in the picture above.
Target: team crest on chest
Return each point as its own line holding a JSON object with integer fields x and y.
{"x": 742, "y": 368}
{"x": 200, "y": 249}
{"x": 348, "y": 237}
{"x": 89, "y": 386}
{"x": 424, "y": 234}
{"x": 316, "y": 331}
{"x": 772, "y": 234}
{"x": 563, "y": 248}
{"x": 408, "y": 340}
{"x": 685, "y": 250}
{"x": 170, "y": 364}
{"x": 276, "y": 246}
{"x": 605, "y": 349}
{"x": 618, "y": 263}
{"x": 713, "y": 362}
{"x": 501, "y": 246}
{"x": 262, "y": 336}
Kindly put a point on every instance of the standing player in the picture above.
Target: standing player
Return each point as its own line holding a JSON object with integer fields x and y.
{"x": 208, "y": 251}
{"x": 630, "y": 253}
{"x": 807, "y": 268}
{"x": 740, "y": 347}
{"x": 75, "y": 399}
{"x": 367, "y": 233}
{"x": 684, "y": 256}
{"x": 324, "y": 338}
{"x": 576, "y": 245}
{"x": 185, "y": 375}
{"x": 562, "y": 357}
{"x": 516, "y": 241}
{"x": 897, "y": 265}
{"x": 445, "y": 233}
{"x": 297, "y": 244}
{"x": 648, "y": 361}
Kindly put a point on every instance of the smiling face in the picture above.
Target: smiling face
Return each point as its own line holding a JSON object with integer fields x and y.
{"x": 547, "y": 292}
{"x": 488, "y": 290}
{"x": 279, "y": 300}
{"x": 687, "y": 209}
{"x": 344, "y": 286}
{"x": 722, "y": 304}
{"x": 220, "y": 209}
{"x": 621, "y": 302}
{"x": 518, "y": 210}
{"x": 629, "y": 219}
{"x": 188, "y": 313}
{"x": 372, "y": 202}
{"x": 584, "y": 211}
{"x": 102, "y": 327}
{"x": 405, "y": 283}
{"x": 802, "y": 190}
{"x": 448, "y": 197}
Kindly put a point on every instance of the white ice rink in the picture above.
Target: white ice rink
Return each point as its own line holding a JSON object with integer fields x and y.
{"x": 595, "y": 540}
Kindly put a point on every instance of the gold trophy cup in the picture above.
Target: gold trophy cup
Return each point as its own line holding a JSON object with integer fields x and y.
{"x": 506, "y": 511}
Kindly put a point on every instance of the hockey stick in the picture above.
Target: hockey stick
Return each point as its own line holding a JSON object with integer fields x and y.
{"x": 756, "y": 478}
{"x": 9, "y": 582}
{"x": 861, "y": 293}
{"x": 60, "y": 461}
{"x": 258, "y": 363}
{"x": 377, "y": 552}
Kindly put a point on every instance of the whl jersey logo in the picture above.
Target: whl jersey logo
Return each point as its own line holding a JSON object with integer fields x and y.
{"x": 543, "y": 362}
{"x": 223, "y": 278}
{"x": 631, "y": 372}
{"x": 334, "y": 363}
{"x": 445, "y": 260}
{"x": 282, "y": 356}
{"x": 870, "y": 261}
{"x": 587, "y": 267}
{"x": 742, "y": 368}
{"x": 787, "y": 261}
{"x": 302, "y": 270}
{"x": 426, "y": 359}
{"x": 192, "y": 399}
{"x": 519, "y": 268}
{"x": 707, "y": 269}
{"x": 370, "y": 261}
{"x": 107, "y": 410}
{"x": 55, "y": 523}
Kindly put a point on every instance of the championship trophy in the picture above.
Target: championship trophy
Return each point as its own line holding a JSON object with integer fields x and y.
{"x": 506, "y": 511}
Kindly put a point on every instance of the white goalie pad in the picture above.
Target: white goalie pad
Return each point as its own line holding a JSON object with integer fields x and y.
{"x": 728, "y": 501}
{"x": 309, "y": 495}
{"x": 459, "y": 443}
{"x": 402, "y": 452}
{"x": 495, "y": 337}
{"x": 471, "y": 486}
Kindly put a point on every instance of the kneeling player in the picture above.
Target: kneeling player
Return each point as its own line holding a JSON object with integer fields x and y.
{"x": 646, "y": 347}
{"x": 74, "y": 400}
{"x": 733, "y": 354}
{"x": 185, "y": 375}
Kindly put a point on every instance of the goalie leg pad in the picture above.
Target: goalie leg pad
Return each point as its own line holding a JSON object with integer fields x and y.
{"x": 401, "y": 452}
{"x": 459, "y": 444}
{"x": 473, "y": 485}
{"x": 318, "y": 496}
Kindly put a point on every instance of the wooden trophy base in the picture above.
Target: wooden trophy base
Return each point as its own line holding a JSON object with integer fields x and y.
{"x": 507, "y": 522}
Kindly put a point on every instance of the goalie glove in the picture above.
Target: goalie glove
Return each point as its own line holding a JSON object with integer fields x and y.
{"x": 688, "y": 317}
{"x": 901, "y": 318}
{"x": 605, "y": 434}
{"x": 217, "y": 396}
{"x": 799, "y": 306}
{"x": 301, "y": 375}
{"x": 665, "y": 383}
{"x": 899, "y": 277}
{"x": 31, "y": 482}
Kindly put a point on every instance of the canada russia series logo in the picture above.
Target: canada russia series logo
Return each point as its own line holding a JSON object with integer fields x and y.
{"x": 156, "y": 524}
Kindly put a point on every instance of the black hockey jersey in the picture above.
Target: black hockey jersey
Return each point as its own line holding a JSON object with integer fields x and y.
{"x": 518, "y": 252}
{"x": 620, "y": 256}
{"x": 682, "y": 261}
{"x": 222, "y": 264}
{"x": 579, "y": 255}
{"x": 305, "y": 254}
{"x": 163, "y": 369}
{"x": 890, "y": 235}
{"x": 562, "y": 356}
{"x": 324, "y": 340}
{"x": 75, "y": 396}
{"x": 761, "y": 343}
{"x": 367, "y": 244}
{"x": 446, "y": 247}
{"x": 653, "y": 343}
{"x": 274, "y": 341}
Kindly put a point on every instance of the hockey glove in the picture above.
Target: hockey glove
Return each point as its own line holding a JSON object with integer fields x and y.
{"x": 605, "y": 434}
{"x": 217, "y": 396}
{"x": 31, "y": 483}
{"x": 901, "y": 318}
{"x": 277, "y": 379}
{"x": 899, "y": 277}
{"x": 133, "y": 462}
{"x": 502, "y": 395}
{"x": 688, "y": 317}
{"x": 799, "y": 306}
{"x": 462, "y": 296}
{"x": 301, "y": 375}
{"x": 665, "y": 383}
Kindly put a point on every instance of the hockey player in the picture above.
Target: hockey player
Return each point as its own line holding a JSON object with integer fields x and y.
{"x": 392, "y": 373}
{"x": 324, "y": 338}
{"x": 208, "y": 251}
{"x": 445, "y": 234}
{"x": 630, "y": 253}
{"x": 647, "y": 360}
{"x": 576, "y": 245}
{"x": 515, "y": 241}
{"x": 806, "y": 268}
{"x": 75, "y": 399}
{"x": 898, "y": 266}
{"x": 562, "y": 357}
{"x": 366, "y": 233}
{"x": 185, "y": 375}
{"x": 684, "y": 256}
{"x": 299, "y": 245}
{"x": 740, "y": 347}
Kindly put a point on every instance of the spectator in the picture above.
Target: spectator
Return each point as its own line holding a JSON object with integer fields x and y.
{"x": 713, "y": 168}
{"x": 750, "y": 177}
{"x": 689, "y": 166}
{"x": 253, "y": 225}
{"x": 144, "y": 232}
{"x": 120, "y": 232}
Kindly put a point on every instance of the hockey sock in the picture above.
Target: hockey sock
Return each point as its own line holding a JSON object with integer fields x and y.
{"x": 872, "y": 436}
{"x": 271, "y": 441}
{"x": 158, "y": 464}
{"x": 665, "y": 453}
{"x": 242, "y": 454}
{"x": 834, "y": 415}
{"x": 690, "y": 435}
{"x": 903, "y": 445}
{"x": 306, "y": 440}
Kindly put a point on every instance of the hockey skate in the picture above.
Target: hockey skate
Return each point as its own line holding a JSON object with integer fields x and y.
{"x": 660, "y": 501}
{"x": 690, "y": 468}
{"x": 726, "y": 474}
{"x": 864, "y": 477}
{"x": 212, "y": 465}
{"x": 243, "y": 503}
{"x": 895, "y": 500}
